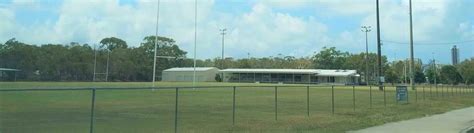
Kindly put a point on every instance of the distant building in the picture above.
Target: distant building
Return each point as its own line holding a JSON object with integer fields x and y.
{"x": 8, "y": 74}
{"x": 292, "y": 76}
{"x": 203, "y": 74}
{"x": 455, "y": 55}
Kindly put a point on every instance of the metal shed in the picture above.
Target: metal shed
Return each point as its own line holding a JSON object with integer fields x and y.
{"x": 203, "y": 74}
{"x": 4, "y": 73}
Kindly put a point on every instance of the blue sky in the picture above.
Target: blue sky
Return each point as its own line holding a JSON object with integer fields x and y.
{"x": 259, "y": 27}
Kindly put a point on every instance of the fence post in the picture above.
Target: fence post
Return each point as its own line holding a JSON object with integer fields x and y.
{"x": 452, "y": 90}
{"x": 370, "y": 96}
{"x": 442, "y": 91}
{"x": 472, "y": 90}
{"x": 307, "y": 99}
{"x": 423, "y": 92}
{"x": 436, "y": 88}
{"x": 431, "y": 92}
{"x": 457, "y": 91}
{"x": 332, "y": 97}
{"x": 233, "y": 107}
{"x": 416, "y": 94}
{"x": 91, "y": 129}
{"x": 408, "y": 96}
{"x": 464, "y": 91}
{"x": 176, "y": 111}
{"x": 353, "y": 98}
{"x": 460, "y": 91}
{"x": 276, "y": 103}
{"x": 384, "y": 97}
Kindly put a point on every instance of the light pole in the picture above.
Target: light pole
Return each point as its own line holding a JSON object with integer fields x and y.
{"x": 95, "y": 62}
{"x": 156, "y": 42}
{"x": 222, "y": 60}
{"x": 195, "y": 41}
{"x": 412, "y": 62}
{"x": 107, "y": 68}
{"x": 366, "y": 29}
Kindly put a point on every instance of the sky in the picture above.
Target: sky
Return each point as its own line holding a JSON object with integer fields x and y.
{"x": 261, "y": 28}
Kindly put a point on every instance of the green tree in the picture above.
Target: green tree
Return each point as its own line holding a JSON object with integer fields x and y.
{"x": 391, "y": 75}
{"x": 329, "y": 58}
{"x": 466, "y": 68}
{"x": 420, "y": 77}
{"x": 432, "y": 72}
{"x": 166, "y": 47}
{"x": 450, "y": 75}
{"x": 112, "y": 43}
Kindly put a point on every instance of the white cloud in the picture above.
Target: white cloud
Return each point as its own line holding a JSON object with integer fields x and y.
{"x": 7, "y": 24}
{"x": 265, "y": 30}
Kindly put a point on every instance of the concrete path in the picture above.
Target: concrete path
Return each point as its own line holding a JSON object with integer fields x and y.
{"x": 450, "y": 122}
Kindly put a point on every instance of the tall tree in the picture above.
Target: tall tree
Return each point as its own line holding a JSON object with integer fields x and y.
{"x": 112, "y": 43}
{"x": 450, "y": 75}
{"x": 466, "y": 68}
{"x": 329, "y": 58}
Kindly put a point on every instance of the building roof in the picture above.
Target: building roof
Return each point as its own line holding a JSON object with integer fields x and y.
{"x": 187, "y": 69}
{"x": 8, "y": 69}
{"x": 319, "y": 72}
{"x": 296, "y": 71}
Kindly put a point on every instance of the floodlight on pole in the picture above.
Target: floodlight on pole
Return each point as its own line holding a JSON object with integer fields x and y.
{"x": 195, "y": 41}
{"x": 156, "y": 42}
{"x": 366, "y": 29}
{"x": 222, "y": 60}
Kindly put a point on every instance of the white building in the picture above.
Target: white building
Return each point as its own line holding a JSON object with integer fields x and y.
{"x": 297, "y": 76}
{"x": 203, "y": 74}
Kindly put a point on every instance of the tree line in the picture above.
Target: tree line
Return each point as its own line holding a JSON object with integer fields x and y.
{"x": 75, "y": 62}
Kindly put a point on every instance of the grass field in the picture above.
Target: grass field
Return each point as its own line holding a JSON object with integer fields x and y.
{"x": 210, "y": 109}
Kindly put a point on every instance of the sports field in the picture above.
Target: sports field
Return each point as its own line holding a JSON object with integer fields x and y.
{"x": 210, "y": 109}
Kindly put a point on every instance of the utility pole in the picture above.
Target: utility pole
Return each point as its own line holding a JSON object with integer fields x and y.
{"x": 248, "y": 56}
{"x": 222, "y": 60}
{"x": 435, "y": 70}
{"x": 156, "y": 42}
{"x": 366, "y": 29}
{"x": 379, "y": 50}
{"x": 412, "y": 60}
{"x": 195, "y": 41}
{"x": 405, "y": 62}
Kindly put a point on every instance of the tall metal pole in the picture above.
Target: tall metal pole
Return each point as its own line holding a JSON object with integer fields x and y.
{"x": 223, "y": 35}
{"x": 195, "y": 41}
{"x": 95, "y": 62}
{"x": 107, "y": 68}
{"x": 434, "y": 69}
{"x": 91, "y": 127}
{"x": 222, "y": 60}
{"x": 156, "y": 42}
{"x": 366, "y": 29}
{"x": 412, "y": 60}
{"x": 379, "y": 51}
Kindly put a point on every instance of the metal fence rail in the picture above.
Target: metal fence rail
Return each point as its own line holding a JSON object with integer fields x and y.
{"x": 444, "y": 90}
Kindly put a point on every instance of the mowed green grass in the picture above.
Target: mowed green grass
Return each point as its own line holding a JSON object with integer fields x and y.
{"x": 210, "y": 109}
